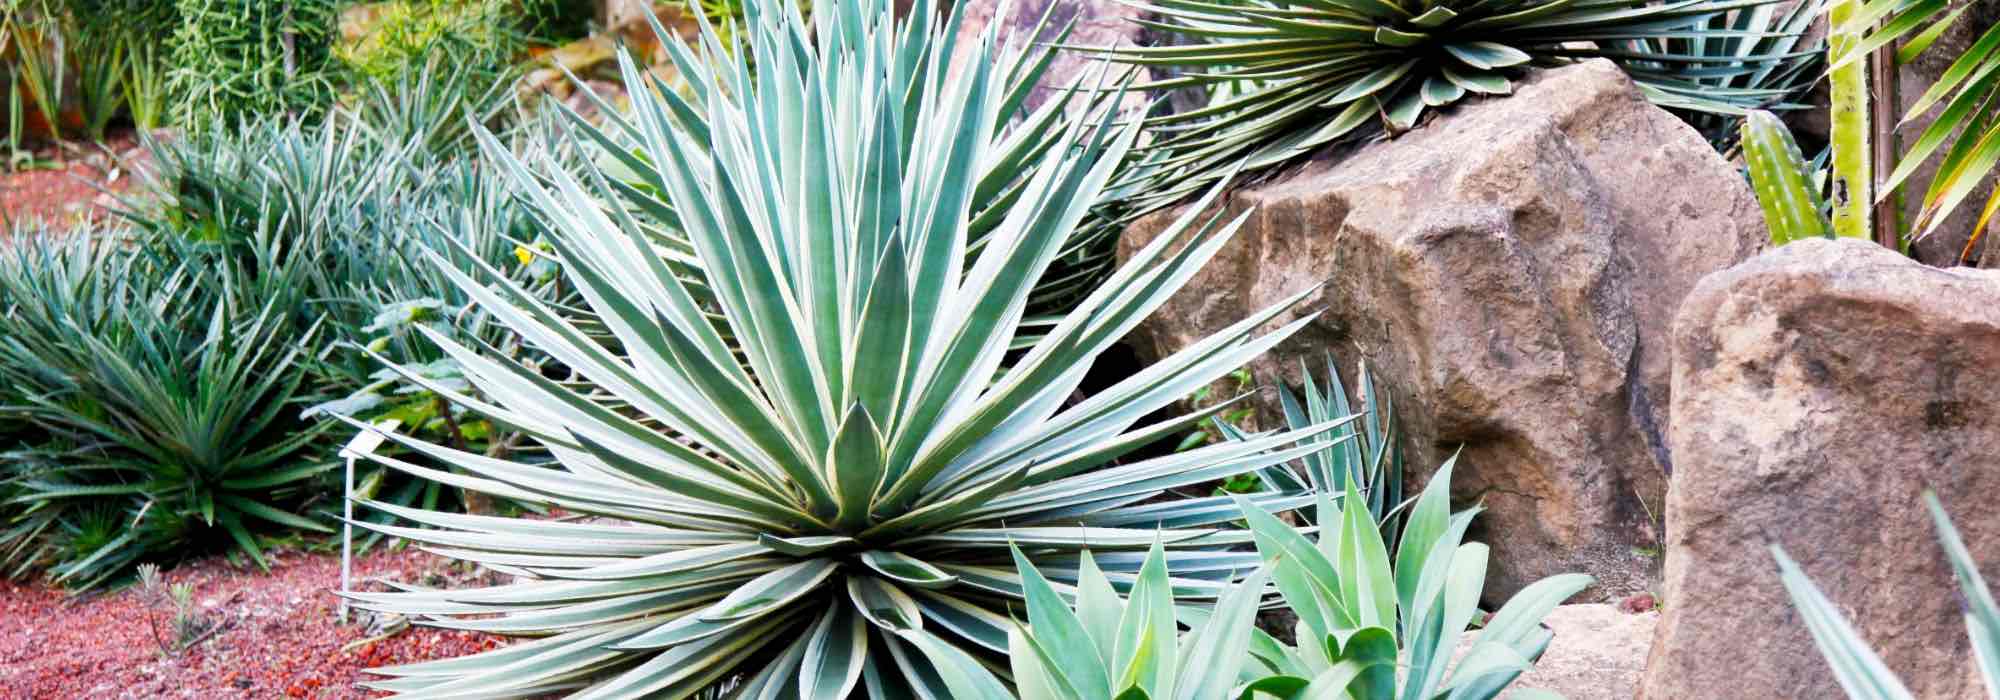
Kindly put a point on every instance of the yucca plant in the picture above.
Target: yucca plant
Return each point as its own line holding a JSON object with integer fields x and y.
{"x": 1766, "y": 56}
{"x": 1370, "y": 629}
{"x": 1291, "y": 76}
{"x": 1084, "y": 642}
{"x": 842, "y": 447}
{"x": 1858, "y": 669}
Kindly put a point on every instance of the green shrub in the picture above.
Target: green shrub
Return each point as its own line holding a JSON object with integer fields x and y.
{"x": 555, "y": 22}
{"x": 401, "y": 37}
{"x": 839, "y": 445}
{"x": 234, "y": 60}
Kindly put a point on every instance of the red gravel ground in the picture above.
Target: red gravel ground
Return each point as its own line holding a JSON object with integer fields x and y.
{"x": 62, "y": 194}
{"x": 280, "y": 637}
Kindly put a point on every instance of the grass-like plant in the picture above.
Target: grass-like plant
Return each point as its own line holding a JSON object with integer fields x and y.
{"x": 1375, "y": 629}
{"x": 1856, "y": 667}
{"x": 842, "y": 447}
{"x": 1288, "y": 77}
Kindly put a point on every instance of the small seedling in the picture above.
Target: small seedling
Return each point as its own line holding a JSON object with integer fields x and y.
{"x": 186, "y": 624}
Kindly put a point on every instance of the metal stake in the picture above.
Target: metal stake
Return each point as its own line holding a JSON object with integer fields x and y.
{"x": 363, "y": 444}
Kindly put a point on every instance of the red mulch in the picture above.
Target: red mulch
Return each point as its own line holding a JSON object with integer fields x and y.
{"x": 280, "y": 638}
{"x": 59, "y": 191}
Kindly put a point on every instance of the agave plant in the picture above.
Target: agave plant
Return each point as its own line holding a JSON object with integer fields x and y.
{"x": 1018, "y": 136}
{"x": 1857, "y": 668}
{"x": 1291, "y": 76}
{"x": 1367, "y": 455}
{"x": 842, "y": 447}
{"x": 1372, "y": 630}
{"x": 1107, "y": 647}
{"x": 165, "y": 403}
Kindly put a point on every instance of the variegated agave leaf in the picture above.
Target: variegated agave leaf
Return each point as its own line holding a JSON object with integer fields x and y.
{"x": 1023, "y": 129}
{"x": 1084, "y": 642}
{"x": 1860, "y": 672}
{"x": 832, "y": 444}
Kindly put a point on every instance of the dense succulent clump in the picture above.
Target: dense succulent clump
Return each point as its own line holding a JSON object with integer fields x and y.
{"x": 801, "y": 416}
{"x": 161, "y": 406}
{"x": 1287, "y": 77}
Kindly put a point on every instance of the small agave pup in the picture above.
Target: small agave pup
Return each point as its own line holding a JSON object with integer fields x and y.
{"x": 1372, "y": 631}
{"x": 798, "y": 485}
{"x": 1108, "y": 648}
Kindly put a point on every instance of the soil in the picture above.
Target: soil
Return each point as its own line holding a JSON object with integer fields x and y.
{"x": 274, "y": 635}
{"x": 60, "y": 186}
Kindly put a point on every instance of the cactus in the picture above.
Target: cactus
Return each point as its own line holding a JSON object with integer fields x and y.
{"x": 1852, "y": 187}
{"x": 1792, "y": 204}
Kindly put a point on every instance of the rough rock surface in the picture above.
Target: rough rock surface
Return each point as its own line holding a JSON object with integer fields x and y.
{"x": 1818, "y": 390}
{"x": 1093, "y": 23}
{"x": 1510, "y": 272}
{"x": 1598, "y": 653}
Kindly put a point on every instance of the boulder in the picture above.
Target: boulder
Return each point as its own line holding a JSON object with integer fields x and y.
{"x": 1597, "y": 654}
{"x": 1509, "y": 272}
{"x": 1818, "y": 390}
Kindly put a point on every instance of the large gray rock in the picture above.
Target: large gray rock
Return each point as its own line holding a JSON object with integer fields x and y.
{"x": 1818, "y": 390}
{"x": 1509, "y": 271}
